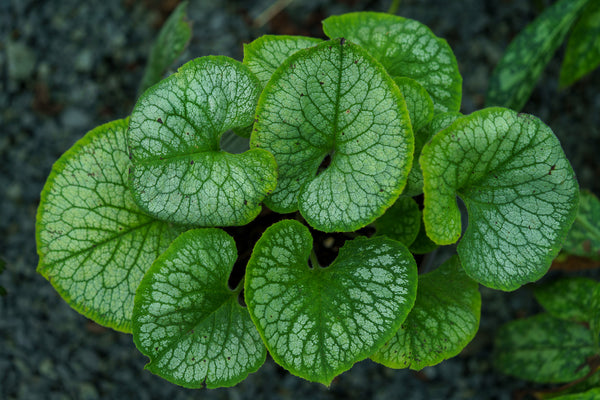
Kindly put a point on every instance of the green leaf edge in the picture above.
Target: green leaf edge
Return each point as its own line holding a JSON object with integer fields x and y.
{"x": 265, "y": 154}
{"x": 173, "y": 249}
{"x": 456, "y": 86}
{"x": 42, "y": 268}
{"x": 441, "y": 357}
{"x": 305, "y": 233}
{"x": 411, "y": 144}
{"x": 561, "y": 234}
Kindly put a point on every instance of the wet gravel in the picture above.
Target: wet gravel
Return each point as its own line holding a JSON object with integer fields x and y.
{"x": 67, "y": 66}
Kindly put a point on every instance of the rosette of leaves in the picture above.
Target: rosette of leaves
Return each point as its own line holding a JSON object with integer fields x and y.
{"x": 343, "y": 133}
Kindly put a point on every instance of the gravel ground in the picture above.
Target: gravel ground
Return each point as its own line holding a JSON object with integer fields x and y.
{"x": 67, "y": 66}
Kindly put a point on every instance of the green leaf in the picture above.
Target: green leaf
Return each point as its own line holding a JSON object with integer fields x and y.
{"x": 595, "y": 315}
{"x": 172, "y": 40}
{"x": 265, "y": 54}
{"x": 592, "y": 394}
{"x": 568, "y": 298}
{"x": 334, "y": 100}
{"x": 418, "y": 102}
{"x": 317, "y": 322}
{"x": 520, "y": 191}
{"x": 414, "y": 185}
{"x": 401, "y": 221}
{"x": 407, "y": 48}
{"x": 573, "y": 389}
{"x": 93, "y": 242}
{"x": 422, "y": 244}
{"x": 543, "y": 349}
{"x": 518, "y": 71}
{"x": 443, "y": 321}
{"x": 188, "y": 321}
{"x": 583, "y": 48}
{"x": 179, "y": 173}
{"x": 268, "y": 52}
{"x": 584, "y": 237}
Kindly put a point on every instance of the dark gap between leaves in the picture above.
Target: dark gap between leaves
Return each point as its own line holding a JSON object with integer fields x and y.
{"x": 246, "y": 237}
{"x": 327, "y": 245}
{"x": 324, "y": 164}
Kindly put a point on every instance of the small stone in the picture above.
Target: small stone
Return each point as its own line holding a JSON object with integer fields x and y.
{"x": 75, "y": 118}
{"x": 46, "y": 368}
{"x": 21, "y": 61}
{"x": 84, "y": 61}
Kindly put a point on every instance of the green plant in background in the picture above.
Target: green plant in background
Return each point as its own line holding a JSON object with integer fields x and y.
{"x": 520, "y": 68}
{"x": 141, "y": 222}
{"x": 563, "y": 344}
{"x": 560, "y": 345}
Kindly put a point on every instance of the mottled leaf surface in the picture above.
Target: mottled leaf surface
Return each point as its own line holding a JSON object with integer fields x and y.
{"x": 584, "y": 237}
{"x": 188, "y": 321}
{"x": 443, "y": 321}
{"x": 179, "y": 173}
{"x": 172, "y": 40}
{"x": 518, "y": 71}
{"x": 265, "y": 54}
{"x": 543, "y": 349}
{"x": 317, "y": 322}
{"x": 94, "y": 242}
{"x": 418, "y": 102}
{"x": 568, "y": 298}
{"x": 406, "y": 48}
{"x": 401, "y": 221}
{"x": 519, "y": 189}
{"x": 583, "y": 48}
{"x": 334, "y": 100}
{"x": 414, "y": 185}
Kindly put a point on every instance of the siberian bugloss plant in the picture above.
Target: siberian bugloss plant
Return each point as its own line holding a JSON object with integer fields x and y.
{"x": 141, "y": 221}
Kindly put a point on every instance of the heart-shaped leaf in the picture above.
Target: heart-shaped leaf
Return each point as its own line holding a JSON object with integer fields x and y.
{"x": 520, "y": 191}
{"x": 443, "y": 321}
{"x": 407, "y": 48}
{"x": 179, "y": 173}
{"x": 544, "y": 349}
{"x": 93, "y": 241}
{"x": 265, "y": 54}
{"x": 584, "y": 237}
{"x": 188, "y": 321}
{"x": 568, "y": 298}
{"x": 583, "y": 49}
{"x": 401, "y": 221}
{"x": 334, "y": 100}
{"x": 518, "y": 71}
{"x": 317, "y": 322}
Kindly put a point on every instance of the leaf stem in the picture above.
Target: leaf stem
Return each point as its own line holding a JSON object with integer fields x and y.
{"x": 314, "y": 262}
{"x": 240, "y": 286}
{"x": 394, "y": 7}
